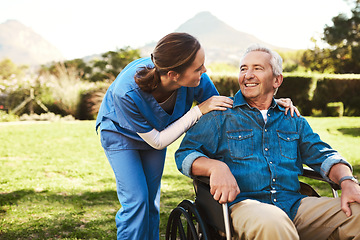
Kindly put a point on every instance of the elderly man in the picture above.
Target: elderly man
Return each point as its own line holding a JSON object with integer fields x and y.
{"x": 253, "y": 154}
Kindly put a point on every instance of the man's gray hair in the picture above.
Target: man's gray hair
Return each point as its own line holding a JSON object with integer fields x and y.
{"x": 275, "y": 61}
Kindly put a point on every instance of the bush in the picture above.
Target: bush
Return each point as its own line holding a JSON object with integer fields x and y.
{"x": 7, "y": 117}
{"x": 337, "y": 89}
{"x": 310, "y": 92}
{"x": 298, "y": 87}
{"x": 335, "y": 109}
{"x": 90, "y": 101}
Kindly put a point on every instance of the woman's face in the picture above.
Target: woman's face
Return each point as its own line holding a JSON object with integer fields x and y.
{"x": 191, "y": 76}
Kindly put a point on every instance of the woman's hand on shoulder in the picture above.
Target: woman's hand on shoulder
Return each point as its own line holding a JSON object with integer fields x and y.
{"x": 215, "y": 103}
{"x": 288, "y": 104}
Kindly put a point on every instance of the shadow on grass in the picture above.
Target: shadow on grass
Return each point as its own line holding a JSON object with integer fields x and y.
{"x": 355, "y": 132}
{"x": 356, "y": 171}
{"x": 48, "y": 215}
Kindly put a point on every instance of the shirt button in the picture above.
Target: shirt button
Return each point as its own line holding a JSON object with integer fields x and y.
{"x": 269, "y": 115}
{"x": 273, "y": 180}
{"x": 266, "y": 149}
{"x": 240, "y": 136}
{"x": 270, "y": 162}
{"x": 275, "y": 200}
{"x": 288, "y": 138}
{"x": 265, "y": 130}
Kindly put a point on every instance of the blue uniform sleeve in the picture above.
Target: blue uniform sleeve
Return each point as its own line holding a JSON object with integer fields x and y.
{"x": 206, "y": 89}
{"x": 129, "y": 116}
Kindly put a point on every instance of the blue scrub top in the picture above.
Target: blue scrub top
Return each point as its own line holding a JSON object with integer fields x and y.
{"x": 126, "y": 109}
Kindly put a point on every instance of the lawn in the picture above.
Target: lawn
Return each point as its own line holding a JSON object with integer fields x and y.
{"x": 55, "y": 181}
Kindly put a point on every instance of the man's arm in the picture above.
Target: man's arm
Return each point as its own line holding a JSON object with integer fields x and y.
{"x": 223, "y": 185}
{"x": 350, "y": 191}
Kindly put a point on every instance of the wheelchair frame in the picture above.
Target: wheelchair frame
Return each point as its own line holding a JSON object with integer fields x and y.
{"x": 200, "y": 220}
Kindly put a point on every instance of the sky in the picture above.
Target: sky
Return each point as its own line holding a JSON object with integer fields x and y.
{"x": 80, "y": 28}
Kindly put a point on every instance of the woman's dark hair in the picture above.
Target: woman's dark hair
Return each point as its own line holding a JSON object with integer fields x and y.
{"x": 174, "y": 52}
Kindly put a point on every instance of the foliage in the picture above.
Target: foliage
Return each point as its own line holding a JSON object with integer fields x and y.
{"x": 112, "y": 62}
{"x": 292, "y": 60}
{"x": 17, "y": 87}
{"x": 335, "y": 109}
{"x": 7, "y": 117}
{"x": 343, "y": 53}
{"x": 318, "y": 59}
{"x": 308, "y": 91}
{"x": 66, "y": 87}
{"x": 220, "y": 68}
{"x": 46, "y": 117}
{"x": 344, "y": 37}
{"x": 9, "y": 69}
{"x": 338, "y": 90}
{"x": 57, "y": 184}
{"x": 105, "y": 68}
{"x": 91, "y": 100}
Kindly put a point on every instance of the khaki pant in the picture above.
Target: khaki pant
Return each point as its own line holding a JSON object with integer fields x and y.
{"x": 316, "y": 219}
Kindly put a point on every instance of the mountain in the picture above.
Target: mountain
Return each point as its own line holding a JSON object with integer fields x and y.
{"x": 221, "y": 42}
{"x": 24, "y": 46}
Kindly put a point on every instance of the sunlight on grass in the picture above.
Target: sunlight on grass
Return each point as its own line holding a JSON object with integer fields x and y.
{"x": 57, "y": 184}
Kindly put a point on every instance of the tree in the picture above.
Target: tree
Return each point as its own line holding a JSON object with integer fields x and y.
{"x": 318, "y": 59}
{"x": 112, "y": 63}
{"x": 8, "y": 68}
{"x": 344, "y": 38}
{"x": 106, "y": 68}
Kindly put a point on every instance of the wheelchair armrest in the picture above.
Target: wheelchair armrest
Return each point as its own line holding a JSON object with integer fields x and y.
{"x": 309, "y": 173}
{"x": 202, "y": 179}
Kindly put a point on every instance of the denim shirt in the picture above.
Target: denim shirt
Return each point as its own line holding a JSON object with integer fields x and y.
{"x": 265, "y": 158}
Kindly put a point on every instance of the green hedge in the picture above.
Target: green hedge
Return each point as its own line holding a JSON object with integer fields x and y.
{"x": 309, "y": 92}
{"x": 346, "y": 91}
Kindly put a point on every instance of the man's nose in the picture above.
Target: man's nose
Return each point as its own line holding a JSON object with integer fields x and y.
{"x": 249, "y": 74}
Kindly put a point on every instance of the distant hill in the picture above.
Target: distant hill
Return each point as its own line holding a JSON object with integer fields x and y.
{"x": 23, "y": 46}
{"x": 221, "y": 42}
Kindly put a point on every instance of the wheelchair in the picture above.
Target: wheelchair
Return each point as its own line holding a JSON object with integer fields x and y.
{"x": 207, "y": 219}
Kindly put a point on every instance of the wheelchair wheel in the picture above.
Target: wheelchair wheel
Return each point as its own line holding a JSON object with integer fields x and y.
{"x": 185, "y": 223}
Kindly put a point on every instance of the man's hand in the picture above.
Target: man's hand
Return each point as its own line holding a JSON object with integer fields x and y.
{"x": 223, "y": 185}
{"x": 350, "y": 192}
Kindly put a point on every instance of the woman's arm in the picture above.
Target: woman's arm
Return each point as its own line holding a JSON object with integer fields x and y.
{"x": 160, "y": 140}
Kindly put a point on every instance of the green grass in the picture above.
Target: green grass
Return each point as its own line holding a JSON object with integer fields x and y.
{"x": 55, "y": 181}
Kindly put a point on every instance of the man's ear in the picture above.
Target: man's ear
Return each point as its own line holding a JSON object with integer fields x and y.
{"x": 278, "y": 81}
{"x": 174, "y": 76}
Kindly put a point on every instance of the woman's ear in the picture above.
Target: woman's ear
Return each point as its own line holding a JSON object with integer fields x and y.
{"x": 172, "y": 75}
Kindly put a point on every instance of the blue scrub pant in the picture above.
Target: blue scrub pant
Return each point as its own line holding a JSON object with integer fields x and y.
{"x": 138, "y": 175}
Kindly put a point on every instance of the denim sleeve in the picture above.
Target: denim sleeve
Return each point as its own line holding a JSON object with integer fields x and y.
{"x": 328, "y": 163}
{"x": 200, "y": 141}
{"x": 317, "y": 154}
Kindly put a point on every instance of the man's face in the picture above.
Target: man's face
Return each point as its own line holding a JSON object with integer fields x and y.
{"x": 257, "y": 81}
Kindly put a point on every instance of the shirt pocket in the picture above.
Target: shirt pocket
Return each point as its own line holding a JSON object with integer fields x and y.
{"x": 288, "y": 142}
{"x": 240, "y": 143}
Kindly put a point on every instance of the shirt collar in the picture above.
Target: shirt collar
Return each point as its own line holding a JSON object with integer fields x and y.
{"x": 239, "y": 101}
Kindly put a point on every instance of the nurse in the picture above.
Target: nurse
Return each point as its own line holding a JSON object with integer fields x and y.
{"x": 146, "y": 108}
